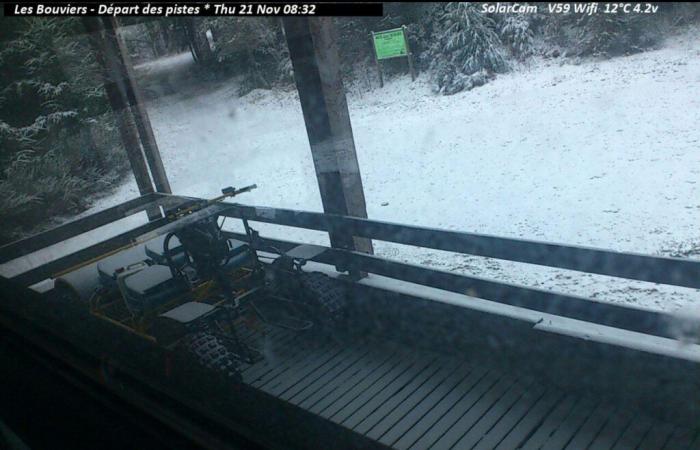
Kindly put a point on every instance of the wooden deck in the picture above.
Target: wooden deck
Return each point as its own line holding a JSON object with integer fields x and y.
{"x": 410, "y": 399}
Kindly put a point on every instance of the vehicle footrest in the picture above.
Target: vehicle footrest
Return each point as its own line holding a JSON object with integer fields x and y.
{"x": 281, "y": 313}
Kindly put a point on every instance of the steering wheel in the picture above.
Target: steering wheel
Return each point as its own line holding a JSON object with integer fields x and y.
{"x": 174, "y": 270}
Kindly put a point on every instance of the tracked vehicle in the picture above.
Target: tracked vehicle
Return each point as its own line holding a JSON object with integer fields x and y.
{"x": 189, "y": 288}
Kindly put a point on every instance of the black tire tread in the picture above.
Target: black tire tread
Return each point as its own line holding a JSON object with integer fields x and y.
{"x": 210, "y": 352}
{"x": 326, "y": 295}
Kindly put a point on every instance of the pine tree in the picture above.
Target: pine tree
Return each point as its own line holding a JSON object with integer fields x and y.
{"x": 51, "y": 97}
{"x": 466, "y": 49}
{"x": 517, "y": 35}
{"x": 251, "y": 46}
{"x": 600, "y": 33}
{"x": 615, "y": 34}
{"x": 469, "y": 39}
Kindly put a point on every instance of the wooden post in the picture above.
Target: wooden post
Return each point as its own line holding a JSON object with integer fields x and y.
{"x": 409, "y": 54}
{"x": 376, "y": 60}
{"x": 316, "y": 64}
{"x": 122, "y": 112}
{"x": 135, "y": 100}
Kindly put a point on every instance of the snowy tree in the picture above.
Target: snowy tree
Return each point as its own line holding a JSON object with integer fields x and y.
{"x": 469, "y": 39}
{"x": 154, "y": 37}
{"x": 603, "y": 35}
{"x": 600, "y": 33}
{"x": 517, "y": 35}
{"x": 682, "y": 13}
{"x": 466, "y": 49}
{"x": 253, "y": 47}
{"x": 52, "y": 116}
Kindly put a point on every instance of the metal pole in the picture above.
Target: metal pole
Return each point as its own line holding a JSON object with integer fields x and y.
{"x": 316, "y": 66}
{"x": 409, "y": 54}
{"x": 376, "y": 61}
{"x": 133, "y": 95}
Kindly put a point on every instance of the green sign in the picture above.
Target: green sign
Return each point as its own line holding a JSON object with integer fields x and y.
{"x": 390, "y": 44}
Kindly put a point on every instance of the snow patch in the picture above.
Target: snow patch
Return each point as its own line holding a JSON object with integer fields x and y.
{"x": 600, "y": 153}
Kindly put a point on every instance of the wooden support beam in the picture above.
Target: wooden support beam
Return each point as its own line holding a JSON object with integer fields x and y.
{"x": 71, "y": 229}
{"x": 127, "y": 128}
{"x": 316, "y": 64}
{"x": 136, "y": 103}
{"x": 133, "y": 132}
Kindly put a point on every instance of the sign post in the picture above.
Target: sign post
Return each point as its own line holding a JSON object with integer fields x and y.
{"x": 391, "y": 44}
{"x": 409, "y": 54}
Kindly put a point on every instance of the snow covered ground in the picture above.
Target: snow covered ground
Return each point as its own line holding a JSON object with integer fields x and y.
{"x": 601, "y": 153}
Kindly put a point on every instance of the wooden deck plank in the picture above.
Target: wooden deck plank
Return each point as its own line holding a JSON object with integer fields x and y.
{"x": 613, "y": 429}
{"x": 566, "y": 431}
{"x": 634, "y": 434}
{"x": 342, "y": 392}
{"x": 277, "y": 337}
{"x": 551, "y": 422}
{"x": 372, "y": 395}
{"x": 441, "y": 408}
{"x": 301, "y": 370}
{"x": 394, "y": 401}
{"x": 324, "y": 374}
{"x": 429, "y": 408}
{"x": 411, "y": 399}
{"x": 287, "y": 368}
{"x": 272, "y": 366}
{"x": 254, "y": 339}
{"x": 497, "y": 400}
{"x": 494, "y": 414}
{"x": 346, "y": 371}
{"x": 465, "y": 401}
{"x": 274, "y": 350}
{"x": 680, "y": 439}
{"x": 293, "y": 351}
{"x": 282, "y": 358}
{"x": 532, "y": 420}
{"x": 508, "y": 422}
{"x": 404, "y": 408}
{"x": 657, "y": 437}
{"x": 354, "y": 388}
{"x": 591, "y": 427}
{"x": 270, "y": 348}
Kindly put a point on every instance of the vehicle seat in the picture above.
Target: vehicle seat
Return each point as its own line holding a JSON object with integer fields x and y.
{"x": 149, "y": 288}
